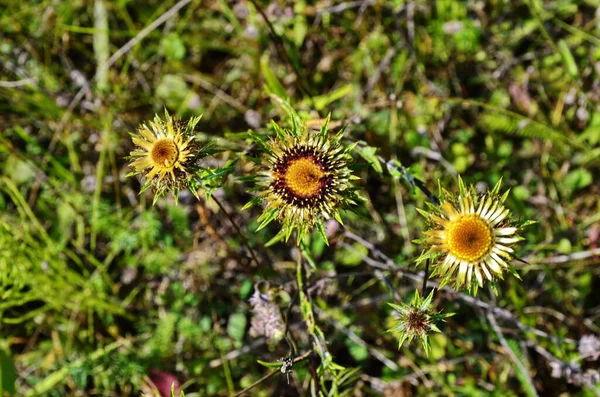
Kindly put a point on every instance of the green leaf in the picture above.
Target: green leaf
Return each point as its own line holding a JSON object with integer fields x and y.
{"x": 271, "y": 80}
{"x": 246, "y": 288}
{"x": 358, "y": 352}
{"x": 288, "y": 232}
{"x": 300, "y": 26}
{"x": 524, "y": 378}
{"x": 567, "y": 57}
{"x": 577, "y": 179}
{"x": 306, "y": 254}
{"x": 298, "y": 125}
{"x": 307, "y": 312}
{"x": 267, "y": 217}
{"x": 592, "y": 133}
{"x": 278, "y": 237}
{"x": 8, "y": 373}
{"x": 101, "y": 44}
{"x": 369, "y": 154}
{"x": 322, "y": 232}
{"x": 236, "y": 326}
{"x": 398, "y": 308}
{"x": 261, "y": 140}
{"x": 173, "y": 47}
{"x": 338, "y": 217}
{"x": 353, "y": 256}
{"x": 322, "y": 101}
{"x": 270, "y": 365}
{"x": 251, "y": 203}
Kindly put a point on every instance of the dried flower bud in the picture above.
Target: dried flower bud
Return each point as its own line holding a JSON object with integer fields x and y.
{"x": 417, "y": 320}
{"x": 267, "y": 320}
{"x": 574, "y": 374}
{"x": 589, "y": 347}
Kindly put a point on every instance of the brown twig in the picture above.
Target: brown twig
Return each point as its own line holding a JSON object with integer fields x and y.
{"x": 390, "y": 164}
{"x": 359, "y": 341}
{"x": 287, "y": 334}
{"x": 388, "y": 264}
{"x": 238, "y": 231}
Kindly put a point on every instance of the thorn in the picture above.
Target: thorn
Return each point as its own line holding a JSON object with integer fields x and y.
{"x": 521, "y": 260}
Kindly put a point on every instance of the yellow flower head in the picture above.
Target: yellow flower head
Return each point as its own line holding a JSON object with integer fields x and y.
{"x": 470, "y": 237}
{"x": 166, "y": 153}
{"x": 305, "y": 179}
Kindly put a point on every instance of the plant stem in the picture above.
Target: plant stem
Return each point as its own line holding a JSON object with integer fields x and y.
{"x": 308, "y": 317}
{"x": 238, "y": 230}
{"x": 287, "y": 334}
{"x": 299, "y": 271}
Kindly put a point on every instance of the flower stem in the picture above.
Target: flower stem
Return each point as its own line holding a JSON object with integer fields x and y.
{"x": 308, "y": 317}
{"x": 299, "y": 270}
{"x": 287, "y": 334}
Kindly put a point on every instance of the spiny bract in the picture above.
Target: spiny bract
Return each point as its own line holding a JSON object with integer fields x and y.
{"x": 470, "y": 237}
{"x": 166, "y": 154}
{"x": 305, "y": 179}
{"x": 417, "y": 320}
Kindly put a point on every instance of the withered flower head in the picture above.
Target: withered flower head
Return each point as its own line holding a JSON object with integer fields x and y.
{"x": 266, "y": 319}
{"x": 417, "y": 320}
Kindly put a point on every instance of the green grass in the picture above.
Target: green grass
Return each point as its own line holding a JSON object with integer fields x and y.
{"x": 98, "y": 288}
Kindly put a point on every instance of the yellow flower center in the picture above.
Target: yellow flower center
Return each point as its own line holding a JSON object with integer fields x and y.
{"x": 303, "y": 177}
{"x": 469, "y": 238}
{"x": 165, "y": 152}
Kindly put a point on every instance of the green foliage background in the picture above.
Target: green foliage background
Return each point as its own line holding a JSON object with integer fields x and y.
{"x": 98, "y": 287}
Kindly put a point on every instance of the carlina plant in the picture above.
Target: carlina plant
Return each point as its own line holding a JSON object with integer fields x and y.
{"x": 167, "y": 156}
{"x": 306, "y": 178}
{"x": 470, "y": 238}
{"x": 417, "y": 320}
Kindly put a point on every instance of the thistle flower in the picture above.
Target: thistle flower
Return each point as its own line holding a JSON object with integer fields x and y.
{"x": 166, "y": 154}
{"x": 305, "y": 180}
{"x": 470, "y": 237}
{"x": 417, "y": 320}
